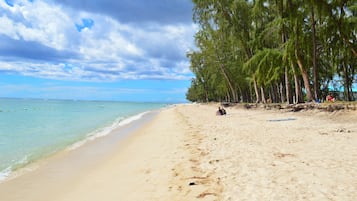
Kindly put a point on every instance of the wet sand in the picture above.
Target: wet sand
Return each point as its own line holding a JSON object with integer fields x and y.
{"x": 186, "y": 152}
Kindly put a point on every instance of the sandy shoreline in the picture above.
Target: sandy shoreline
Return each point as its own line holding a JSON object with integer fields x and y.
{"x": 188, "y": 153}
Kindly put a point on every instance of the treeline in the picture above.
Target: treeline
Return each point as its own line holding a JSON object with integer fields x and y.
{"x": 287, "y": 51}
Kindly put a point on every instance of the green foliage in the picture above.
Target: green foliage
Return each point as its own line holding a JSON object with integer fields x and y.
{"x": 248, "y": 48}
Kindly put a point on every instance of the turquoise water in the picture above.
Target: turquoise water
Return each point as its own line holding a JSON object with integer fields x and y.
{"x": 32, "y": 129}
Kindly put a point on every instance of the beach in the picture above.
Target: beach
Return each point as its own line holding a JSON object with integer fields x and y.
{"x": 186, "y": 152}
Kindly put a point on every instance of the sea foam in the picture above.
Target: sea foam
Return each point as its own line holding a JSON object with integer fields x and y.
{"x": 106, "y": 130}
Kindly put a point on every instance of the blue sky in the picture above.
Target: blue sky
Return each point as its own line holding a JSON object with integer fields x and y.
{"x": 127, "y": 50}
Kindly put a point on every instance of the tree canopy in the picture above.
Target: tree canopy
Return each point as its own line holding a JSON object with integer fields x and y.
{"x": 273, "y": 50}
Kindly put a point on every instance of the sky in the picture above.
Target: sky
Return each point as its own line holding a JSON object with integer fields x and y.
{"x": 122, "y": 50}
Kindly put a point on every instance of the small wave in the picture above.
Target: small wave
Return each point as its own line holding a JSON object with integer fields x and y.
{"x": 106, "y": 130}
{"x": 131, "y": 119}
{"x": 6, "y": 173}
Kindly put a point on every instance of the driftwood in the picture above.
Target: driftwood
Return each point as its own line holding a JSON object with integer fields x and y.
{"x": 328, "y": 107}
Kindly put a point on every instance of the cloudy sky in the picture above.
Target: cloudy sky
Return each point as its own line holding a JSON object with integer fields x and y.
{"x": 96, "y": 49}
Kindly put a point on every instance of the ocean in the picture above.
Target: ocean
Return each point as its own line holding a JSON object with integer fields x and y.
{"x": 32, "y": 129}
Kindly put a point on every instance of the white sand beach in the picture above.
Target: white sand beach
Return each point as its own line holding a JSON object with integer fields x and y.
{"x": 186, "y": 152}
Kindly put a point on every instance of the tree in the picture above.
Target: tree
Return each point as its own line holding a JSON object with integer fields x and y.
{"x": 264, "y": 49}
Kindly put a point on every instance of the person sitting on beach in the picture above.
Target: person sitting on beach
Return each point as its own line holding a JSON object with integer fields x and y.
{"x": 330, "y": 98}
{"x": 221, "y": 111}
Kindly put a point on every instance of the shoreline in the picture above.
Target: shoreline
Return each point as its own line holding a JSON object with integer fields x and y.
{"x": 61, "y": 174}
{"x": 186, "y": 152}
{"x": 32, "y": 130}
{"x": 113, "y": 133}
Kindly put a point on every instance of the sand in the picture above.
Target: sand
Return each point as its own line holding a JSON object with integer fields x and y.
{"x": 186, "y": 152}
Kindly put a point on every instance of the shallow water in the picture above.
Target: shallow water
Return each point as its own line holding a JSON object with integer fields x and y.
{"x": 32, "y": 129}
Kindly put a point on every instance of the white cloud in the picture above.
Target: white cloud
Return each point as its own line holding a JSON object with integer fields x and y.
{"x": 40, "y": 22}
{"x": 7, "y": 27}
{"x": 109, "y": 50}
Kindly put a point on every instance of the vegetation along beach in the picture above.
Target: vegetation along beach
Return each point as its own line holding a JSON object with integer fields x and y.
{"x": 180, "y": 100}
{"x": 274, "y": 51}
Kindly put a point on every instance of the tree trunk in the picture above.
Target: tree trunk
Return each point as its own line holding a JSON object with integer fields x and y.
{"x": 298, "y": 91}
{"x": 234, "y": 94}
{"x": 287, "y": 86}
{"x": 352, "y": 73}
{"x": 275, "y": 91}
{"x": 286, "y": 71}
{"x": 346, "y": 82}
{"x": 250, "y": 96}
{"x": 263, "y": 95}
{"x": 240, "y": 98}
{"x": 282, "y": 98}
{"x": 206, "y": 92}
{"x": 314, "y": 57}
{"x": 304, "y": 74}
{"x": 305, "y": 78}
{"x": 270, "y": 96}
{"x": 277, "y": 96}
{"x": 228, "y": 96}
{"x": 258, "y": 100}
